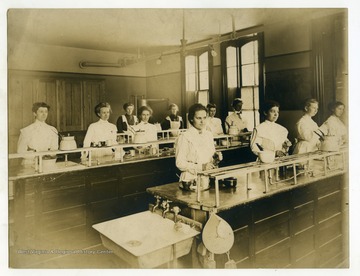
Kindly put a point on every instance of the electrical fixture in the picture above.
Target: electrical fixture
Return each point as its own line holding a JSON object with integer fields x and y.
{"x": 212, "y": 51}
{"x": 159, "y": 60}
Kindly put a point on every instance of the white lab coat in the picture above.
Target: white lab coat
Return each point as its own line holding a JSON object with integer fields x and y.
{"x": 150, "y": 130}
{"x": 38, "y": 136}
{"x": 308, "y": 140}
{"x": 236, "y": 120}
{"x": 333, "y": 126}
{"x": 193, "y": 149}
{"x": 101, "y": 131}
{"x": 269, "y": 135}
{"x": 214, "y": 125}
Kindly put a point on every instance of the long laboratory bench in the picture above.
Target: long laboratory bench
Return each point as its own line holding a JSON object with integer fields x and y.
{"x": 55, "y": 208}
{"x": 292, "y": 213}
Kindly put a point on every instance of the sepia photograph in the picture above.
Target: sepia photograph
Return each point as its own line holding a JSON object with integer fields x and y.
{"x": 177, "y": 137}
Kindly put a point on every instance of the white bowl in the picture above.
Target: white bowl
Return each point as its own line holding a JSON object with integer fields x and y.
{"x": 48, "y": 164}
{"x": 140, "y": 138}
{"x": 267, "y": 156}
{"x": 68, "y": 143}
{"x": 224, "y": 142}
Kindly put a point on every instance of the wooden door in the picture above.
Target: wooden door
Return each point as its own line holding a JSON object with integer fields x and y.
{"x": 21, "y": 97}
{"x": 70, "y": 105}
{"x": 45, "y": 91}
{"x": 94, "y": 93}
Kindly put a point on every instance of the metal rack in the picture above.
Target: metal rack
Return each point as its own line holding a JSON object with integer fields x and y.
{"x": 298, "y": 164}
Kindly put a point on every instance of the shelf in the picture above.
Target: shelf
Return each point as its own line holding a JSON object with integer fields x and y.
{"x": 31, "y": 163}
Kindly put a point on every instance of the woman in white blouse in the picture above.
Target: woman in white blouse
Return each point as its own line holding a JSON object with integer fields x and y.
{"x": 195, "y": 147}
{"x": 308, "y": 135}
{"x": 333, "y": 126}
{"x": 101, "y": 131}
{"x": 235, "y": 119}
{"x": 269, "y": 135}
{"x": 38, "y": 136}
{"x": 213, "y": 124}
{"x": 150, "y": 129}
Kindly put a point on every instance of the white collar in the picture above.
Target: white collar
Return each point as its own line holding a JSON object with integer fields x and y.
{"x": 101, "y": 121}
{"x": 195, "y": 130}
{"x": 39, "y": 122}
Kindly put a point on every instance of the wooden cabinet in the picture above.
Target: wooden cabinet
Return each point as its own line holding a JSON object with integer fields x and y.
{"x": 300, "y": 228}
{"x": 58, "y": 210}
{"x": 71, "y": 99}
{"x": 48, "y": 209}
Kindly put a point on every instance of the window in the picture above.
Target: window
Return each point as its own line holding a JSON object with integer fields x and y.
{"x": 197, "y": 76}
{"x": 243, "y": 77}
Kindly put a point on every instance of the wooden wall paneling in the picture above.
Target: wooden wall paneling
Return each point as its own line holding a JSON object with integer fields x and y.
{"x": 38, "y": 222}
{"x": 62, "y": 219}
{"x": 46, "y": 92}
{"x": 306, "y": 261}
{"x": 330, "y": 254}
{"x": 303, "y": 245}
{"x": 101, "y": 211}
{"x": 102, "y": 188}
{"x": 20, "y": 99}
{"x": 134, "y": 203}
{"x": 345, "y": 220}
{"x": 274, "y": 257}
{"x": 19, "y": 214}
{"x": 62, "y": 209}
{"x": 70, "y": 103}
{"x": 271, "y": 231}
{"x": 289, "y": 87}
{"x": 94, "y": 93}
{"x": 302, "y": 226}
{"x": 240, "y": 252}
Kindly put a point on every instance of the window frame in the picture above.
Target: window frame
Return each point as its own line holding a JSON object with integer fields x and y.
{"x": 197, "y": 53}
{"x": 238, "y": 43}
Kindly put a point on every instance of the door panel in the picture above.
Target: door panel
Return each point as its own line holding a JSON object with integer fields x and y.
{"x": 70, "y": 103}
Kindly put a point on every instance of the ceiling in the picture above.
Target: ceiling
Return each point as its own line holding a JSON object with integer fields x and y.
{"x": 134, "y": 31}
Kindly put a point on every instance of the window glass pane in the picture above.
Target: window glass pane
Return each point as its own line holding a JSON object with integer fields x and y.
{"x": 231, "y": 56}
{"x": 203, "y": 71}
{"x": 256, "y": 58}
{"x": 256, "y": 97}
{"x": 232, "y": 77}
{"x": 190, "y": 62}
{"x": 248, "y": 74}
{"x": 252, "y": 118}
{"x": 250, "y": 96}
{"x": 190, "y": 69}
{"x": 248, "y": 53}
{"x": 203, "y": 97}
{"x": 203, "y": 62}
{"x": 204, "y": 80}
{"x": 190, "y": 82}
{"x": 247, "y": 95}
{"x": 256, "y": 74}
